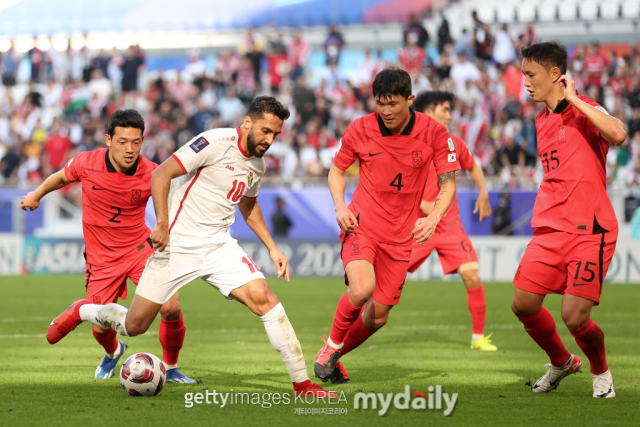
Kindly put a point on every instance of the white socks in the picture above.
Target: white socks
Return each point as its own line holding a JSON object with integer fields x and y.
{"x": 110, "y": 316}
{"x": 334, "y": 345}
{"x": 476, "y": 336}
{"x": 283, "y": 338}
{"x": 113, "y": 355}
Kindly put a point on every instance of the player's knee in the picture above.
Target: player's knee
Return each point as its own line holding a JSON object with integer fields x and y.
{"x": 359, "y": 295}
{"x": 263, "y": 299}
{"x": 135, "y": 327}
{"x": 574, "y": 321}
{"x": 521, "y": 310}
{"x": 171, "y": 310}
{"x": 471, "y": 279}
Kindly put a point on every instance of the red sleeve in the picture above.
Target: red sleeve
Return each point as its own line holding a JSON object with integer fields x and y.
{"x": 464, "y": 156}
{"x": 445, "y": 157}
{"x": 74, "y": 169}
{"x": 588, "y": 124}
{"x": 347, "y": 154}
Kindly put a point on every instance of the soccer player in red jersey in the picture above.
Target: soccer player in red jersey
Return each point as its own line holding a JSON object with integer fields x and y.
{"x": 455, "y": 250}
{"x": 116, "y": 185}
{"x": 395, "y": 147}
{"x": 575, "y": 228}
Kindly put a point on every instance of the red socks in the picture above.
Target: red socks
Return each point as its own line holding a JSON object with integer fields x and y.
{"x": 542, "y": 329}
{"x": 107, "y": 340}
{"x": 590, "y": 339}
{"x": 171, "y": 337}
{"x": 477, "y": 307}
{"x": 357, "y": 335}
{"x": 346, "y": 314}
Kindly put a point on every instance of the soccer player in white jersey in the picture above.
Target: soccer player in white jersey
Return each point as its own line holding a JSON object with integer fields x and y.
{"x": 219, "y": 170}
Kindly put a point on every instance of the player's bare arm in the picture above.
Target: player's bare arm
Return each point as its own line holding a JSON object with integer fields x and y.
{"x": 55, "y": 182}
{"x": 160, "y": 186}
{"x": 425, "y": 227}
{"x": 427, "y": 206}
{"x": 345, "y": 218}
{"x": 482, "y": 204}
{"x": 252, "y": 214}
{"x": 611, "y": 129}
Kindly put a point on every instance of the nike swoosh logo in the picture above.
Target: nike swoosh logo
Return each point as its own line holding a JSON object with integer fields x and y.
{"x": 53, "y": 323}
{"x": 579, "y": 284}
{"x": 401, "y": 287}
{"x": 396, "y": 297}
{"x": 374, "y": 154}
{"x": 97, "y": 189}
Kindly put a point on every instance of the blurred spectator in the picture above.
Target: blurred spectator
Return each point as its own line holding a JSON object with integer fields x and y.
{"x": 230, "y": 107}
{"x": 279, "y": 68}
{"x": 10, "y": 62}
{"x": 463, "y": 71}
{"x": 444, "y": 35}
{"x": 36, "y": 56}
{"x": 333, "y": 45}
{"x": 298, "y": 51}
{"x": 415, "y": 27}
{"x": 56, "y": 148}
{"x": 412, "y": 56}
{"x": 502, "y": 216}
{"x": 464, "y": 45}
{"x": 529, "y": 36}
{"x": 594, "y": 65}
{"x": 196, "y": 67}
{"x": 131, "y": 69}
{"x": 504, "y": 50}
{"x": 252, "y": 47}
{"x": 280, "y": 220}
{"x": 484, "y": 43}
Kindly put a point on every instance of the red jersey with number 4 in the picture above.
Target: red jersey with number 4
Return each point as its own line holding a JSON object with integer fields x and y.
{"x": 573, "y": 194}
{"x": 393, "y": 172}
{"x": 432, "y": 189}
{"x": 113, "y": 204}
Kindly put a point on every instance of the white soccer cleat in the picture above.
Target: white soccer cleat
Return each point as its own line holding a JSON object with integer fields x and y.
{"x": 555, "y": 374}
{"x": 603, "y": 385}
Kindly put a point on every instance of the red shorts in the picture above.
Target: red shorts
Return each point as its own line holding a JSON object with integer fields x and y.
{"x": 556, "y": 262}
{"x": 107, "y": 284}
{"x": 453, "y": 246}
{"x": 390, "y": 263}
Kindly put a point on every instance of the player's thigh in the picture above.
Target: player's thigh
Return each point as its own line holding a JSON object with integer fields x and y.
{"x": 576, "y": 310}
{"x": 456, "y": 250}
{"x": 542, "y": 269}
{"x": 359, "y": 254}
{"x": 104, "y": 285}
{"x": 256, "y": 295}
{"x": 391, "y": 271}
{"x": 420, "y": 253}
{"x": 588, "y": 259}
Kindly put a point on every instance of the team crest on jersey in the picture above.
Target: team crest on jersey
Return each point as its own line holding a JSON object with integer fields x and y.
{"x": 417, "y": 159}
{"x": 562, "y": 134}
{"x": 451, "y": 158}
{"x": 199, "y": 144}
{"x": 250, "y": 179}
{"x": 451, "y": 146}
{"x": 136, "y": 195}
{"x": 355, "y": 249}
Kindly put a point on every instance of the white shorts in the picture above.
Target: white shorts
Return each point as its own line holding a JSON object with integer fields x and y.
{"x": 225, "y": 267}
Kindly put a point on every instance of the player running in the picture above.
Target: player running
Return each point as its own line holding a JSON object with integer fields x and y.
{"x": 395, "y": 147}
{"x": 220, "y": 169}
{"x": 575, "y": 225}
{"x": 116, "y": 185}
{"x": 455, "y": 250}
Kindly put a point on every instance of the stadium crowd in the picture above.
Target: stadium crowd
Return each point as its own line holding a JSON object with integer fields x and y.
{"x": 64, "y": 106}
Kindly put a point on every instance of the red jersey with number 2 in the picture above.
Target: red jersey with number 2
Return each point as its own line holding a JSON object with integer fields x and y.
{"x": 113, "y": 204}
{"x": 393, "y": 172}
{"x": 573, "y": 193}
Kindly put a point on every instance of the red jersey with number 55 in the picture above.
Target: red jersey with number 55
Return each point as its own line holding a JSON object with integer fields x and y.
{"x": 393, "y": 172}
{"x": 573, "y": 194}
{"x": 113, "y": 204}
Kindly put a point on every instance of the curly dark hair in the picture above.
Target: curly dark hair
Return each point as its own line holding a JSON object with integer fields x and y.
{"x": 125, "y": 118}
{"x": 262, "y": 105}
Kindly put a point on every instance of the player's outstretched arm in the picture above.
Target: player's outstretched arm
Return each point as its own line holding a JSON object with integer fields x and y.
{"x": 425, "y": 227}
{"x": 160, "y": 186}
{"x": 482, "y": 204}
{"x": 55, "y": 182}
{"x": 252, "y": 214}
{"x": 345, "y": 218}
{"x": 611, "y": 129}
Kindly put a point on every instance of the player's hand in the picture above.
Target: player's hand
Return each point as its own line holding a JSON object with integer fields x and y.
{"x": 347, "y": 220}
{"x": 281, "y": 262}
{"x": 160, "y": 237}
{"x": 569, "y": 87}
{"x": 424, "y": 229}
{"x": 30, "y": 201}
{"x": 482, "y": 205}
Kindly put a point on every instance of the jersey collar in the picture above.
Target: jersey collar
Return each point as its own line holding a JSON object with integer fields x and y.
{"x": 562, "y": 105}
{"x": 247, "y": 155}
{"x": 407, "y": 130}
{"x": 110, "y": 168}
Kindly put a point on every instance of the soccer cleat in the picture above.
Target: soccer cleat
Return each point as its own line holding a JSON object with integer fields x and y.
{"x": 66, "y": 322}
{"x": 340, "y": 375}
{"x": 603, "y": 385}
{"x": 555, "y": 374}
{"x": 483, "y": 344}
{"x": 175, "y": 376}
{"x": 307, "y": 388}
{"x": 326, "y": 360}
{"x": 105, "y": 368}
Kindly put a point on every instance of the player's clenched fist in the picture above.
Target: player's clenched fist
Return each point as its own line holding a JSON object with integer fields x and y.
{"x": 346, "y": 220}
{"x": 424, "y": 229}
{"x": 30, "y": 201}
{"x": 160, "y": 237}
{"x": 281, "y": 262}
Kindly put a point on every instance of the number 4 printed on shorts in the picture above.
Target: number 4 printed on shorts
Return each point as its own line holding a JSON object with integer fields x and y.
{"x": 252, "y": 265}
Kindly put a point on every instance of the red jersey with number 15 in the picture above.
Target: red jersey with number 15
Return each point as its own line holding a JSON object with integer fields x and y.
{"x": 113, "y": 204}
{"x": 573, "y": 194}
{"x": 393, "y": 172}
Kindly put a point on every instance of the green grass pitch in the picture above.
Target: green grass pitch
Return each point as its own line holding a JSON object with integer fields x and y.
{"x": 425, "y": 343}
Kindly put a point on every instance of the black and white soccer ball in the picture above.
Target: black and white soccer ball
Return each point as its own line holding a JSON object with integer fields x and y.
{"x": 143, "y": 374}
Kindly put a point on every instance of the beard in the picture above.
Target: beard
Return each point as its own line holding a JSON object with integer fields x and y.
{"x": 252, "y": 145}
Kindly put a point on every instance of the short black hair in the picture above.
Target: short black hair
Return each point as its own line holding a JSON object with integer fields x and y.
{"x": 262, "y": 105}
{"x": 129, "y": 118}
{"x": 547, "y": 54}
{"x": 431, "y": 99}
{"x": 392, "y": 81}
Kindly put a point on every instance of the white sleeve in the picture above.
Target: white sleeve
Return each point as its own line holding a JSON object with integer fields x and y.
{"x": 198, "y": 153}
